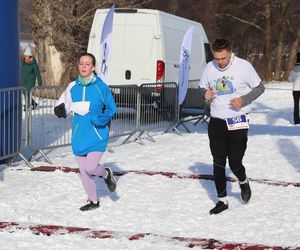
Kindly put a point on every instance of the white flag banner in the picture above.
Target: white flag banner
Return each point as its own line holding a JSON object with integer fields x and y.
{"x": 184, "y": 64}
{"x": 105, "y": 45}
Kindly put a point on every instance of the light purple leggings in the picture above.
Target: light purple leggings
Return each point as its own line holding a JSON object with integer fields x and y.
{"x": 89, "y": 165}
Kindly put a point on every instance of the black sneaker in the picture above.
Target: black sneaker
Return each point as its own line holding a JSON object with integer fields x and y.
{"x": 245, "y": 191}
{"x": 110, "y": 180}
{"x": 33, "y": 104}
{"x": 220, "y": 207}
{"x": 90, "y": 206}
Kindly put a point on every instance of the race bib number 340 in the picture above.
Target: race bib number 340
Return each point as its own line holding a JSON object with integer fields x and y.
{"x": 239, "y": 122}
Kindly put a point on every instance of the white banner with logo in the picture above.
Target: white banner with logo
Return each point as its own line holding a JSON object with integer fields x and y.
{"x": 184, "y": 64}
{"x": 105, "y": 45}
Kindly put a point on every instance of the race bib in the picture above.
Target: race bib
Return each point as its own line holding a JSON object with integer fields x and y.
{"x": 239, "y": 122}
{"x": 81, "y": 108}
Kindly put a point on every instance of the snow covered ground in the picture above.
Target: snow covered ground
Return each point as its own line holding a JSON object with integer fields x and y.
{"x": 161, "y": 206}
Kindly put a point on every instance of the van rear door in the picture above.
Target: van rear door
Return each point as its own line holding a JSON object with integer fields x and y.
{"x": 134, "y": 46}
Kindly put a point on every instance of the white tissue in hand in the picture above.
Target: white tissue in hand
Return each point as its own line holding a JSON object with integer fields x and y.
{"x": 80, "y": 108}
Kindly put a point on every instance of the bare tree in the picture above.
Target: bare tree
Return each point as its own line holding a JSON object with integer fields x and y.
{"x": 61, "y": 31}
{"x": 264, "y": 32}
{"x": 293, "y": 53}
{"x": 293, "y": 25}
{"x": 287, "y": 36}
{"x": 270, "y": 30}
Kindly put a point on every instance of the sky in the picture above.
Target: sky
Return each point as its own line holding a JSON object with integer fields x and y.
{"x": 160, "y": 201}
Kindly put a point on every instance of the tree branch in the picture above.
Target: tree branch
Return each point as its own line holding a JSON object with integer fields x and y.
{"x": 241, "y": 20}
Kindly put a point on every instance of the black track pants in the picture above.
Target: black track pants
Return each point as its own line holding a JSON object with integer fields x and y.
{"x": 226, "y": 144}
{"x": 296, "y": 97}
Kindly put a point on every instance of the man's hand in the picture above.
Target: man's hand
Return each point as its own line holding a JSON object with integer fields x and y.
{"x": 210, "y": 93}
{"x": 236, "y": 103}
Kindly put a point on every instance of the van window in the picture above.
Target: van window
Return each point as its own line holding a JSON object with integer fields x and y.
{"x": 208, "y": 53}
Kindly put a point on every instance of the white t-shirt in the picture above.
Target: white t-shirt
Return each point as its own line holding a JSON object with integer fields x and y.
{"x": 237, "y": 80}
{"x": 295, "y": 78}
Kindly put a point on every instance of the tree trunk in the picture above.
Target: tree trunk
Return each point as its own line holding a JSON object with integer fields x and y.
{"x": 278, "y": 57}
{"x": 293, "y": 54}
{"x": 268, "y": 38}
{"x": 280, "y": 45}
{"x": 51, "y": 66}
{"x": 244, "y": 43}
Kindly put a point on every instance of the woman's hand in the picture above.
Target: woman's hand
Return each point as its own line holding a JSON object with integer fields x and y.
{"x": 60, "y": 111}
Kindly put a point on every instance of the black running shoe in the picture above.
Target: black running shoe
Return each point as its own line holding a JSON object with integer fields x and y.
{"x": 245, "y": 191}
{"x": 33, "y": 104}
{"x": 220, "y": 207}
{"x": 90, "y": 206}
{"x": 110, "y": 180}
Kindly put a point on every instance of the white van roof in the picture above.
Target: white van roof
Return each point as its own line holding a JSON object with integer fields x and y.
{"x": 155, "y": 12}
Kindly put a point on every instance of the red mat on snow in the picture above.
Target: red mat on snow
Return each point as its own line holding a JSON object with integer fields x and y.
{"x": 55, "y": 230}
{"x": 170, "y": 175}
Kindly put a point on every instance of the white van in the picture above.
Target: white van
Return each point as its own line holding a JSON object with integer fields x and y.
{"x": 145, "y": 46}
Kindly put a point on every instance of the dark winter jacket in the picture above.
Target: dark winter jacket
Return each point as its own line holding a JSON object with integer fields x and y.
{"x": 29, "y": 74}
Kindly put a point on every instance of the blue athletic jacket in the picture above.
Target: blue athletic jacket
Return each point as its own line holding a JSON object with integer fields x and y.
{"x": 90, "y": 132}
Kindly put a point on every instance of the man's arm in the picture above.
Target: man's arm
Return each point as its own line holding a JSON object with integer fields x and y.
{"x": 253, "y": 94}
{"x": 239, "y": 102}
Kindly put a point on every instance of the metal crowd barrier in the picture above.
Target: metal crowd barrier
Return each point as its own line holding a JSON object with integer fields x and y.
{"x": 158, "y": 107}
{"x": 123, "y": 124}
{"x": 13, "y": 123}
{"x": 45, "y": 129}
{"x": 142, "y": 110}
{"x": 194, "y": 108}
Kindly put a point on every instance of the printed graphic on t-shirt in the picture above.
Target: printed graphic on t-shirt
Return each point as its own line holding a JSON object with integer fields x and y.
{"x": 224, "y": 86}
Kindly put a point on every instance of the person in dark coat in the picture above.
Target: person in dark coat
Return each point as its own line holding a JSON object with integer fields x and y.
{"x": 30, "y": 73}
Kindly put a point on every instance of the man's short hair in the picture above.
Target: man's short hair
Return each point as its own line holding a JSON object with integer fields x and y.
{"x": 221, "y": 44}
